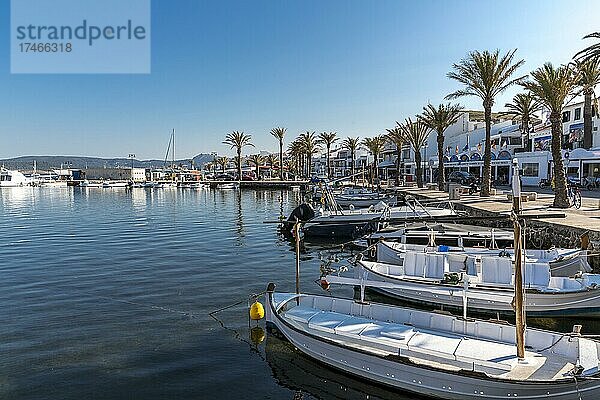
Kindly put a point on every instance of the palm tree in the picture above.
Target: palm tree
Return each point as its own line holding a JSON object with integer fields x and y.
{"x": 396, "y": 137}
{"x": 257, "y": 160}
{"x": 222, "y": 161}
{"x": 439, "y": 119}
{"x": 591, "y": 52}
{"x": 272, "y": 160}
{"x": 375, "y": 146}
{"x": 238, "y": 140}
{"x": 416, "y": 134}
{"x": 552, "y": 87}
{"x": 523, "y": 108}
{"x": 328, "y": 139}
{"x": 296, "y": 154}
{"x": 588, "y": 74}
{"x": 309, "y": 145}
{"x": 279, "y": 134}
{"x": 485, "y": 75}
{"x": 351, "y": 144}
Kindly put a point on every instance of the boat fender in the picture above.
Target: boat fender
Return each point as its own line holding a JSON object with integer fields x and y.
{"x": 324, "y": 284}
{"x": 257, "y": 311}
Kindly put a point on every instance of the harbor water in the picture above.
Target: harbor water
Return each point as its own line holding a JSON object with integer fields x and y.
{"x": 106, "y": 294}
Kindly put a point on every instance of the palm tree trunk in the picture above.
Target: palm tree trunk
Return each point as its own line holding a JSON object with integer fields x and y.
{"x": 281, "y": 159}
{"x": 308, "y": 164}
{"x": 328, "y": 168}
{"x": 587, "y": 119}
{"x": 560, "y": 181}
{"x": 257, "y": 171}
{"x": 352, "y": 167}
{"x": 487, "y": 155}
{"x": 398, "y": 157}
{"x": 419, "y": 168}
{"x": 239, "y": 164}
{"x": 441, "y": 178}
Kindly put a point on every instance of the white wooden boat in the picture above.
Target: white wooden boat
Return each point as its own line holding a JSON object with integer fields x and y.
{"x": 435, "y": 354}
{"x": 450, "y": 280}
{"x": 562, "y": 262}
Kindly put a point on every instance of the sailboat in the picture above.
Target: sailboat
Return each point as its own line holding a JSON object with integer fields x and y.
{"x": 437, "y": 354}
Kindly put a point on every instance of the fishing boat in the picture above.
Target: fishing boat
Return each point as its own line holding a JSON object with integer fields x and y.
{"x": 361, "y": 198}
{"x": 13, "y": 178}
{"x": 486, "y": 284}
{"x": 562, "y": 262}
{"x": 436, "y": 354}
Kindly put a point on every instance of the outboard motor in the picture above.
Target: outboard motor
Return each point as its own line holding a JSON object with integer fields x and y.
{"x": 303, "y": 213}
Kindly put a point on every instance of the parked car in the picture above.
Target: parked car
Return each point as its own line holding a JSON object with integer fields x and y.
{"x": 462, "y": 177}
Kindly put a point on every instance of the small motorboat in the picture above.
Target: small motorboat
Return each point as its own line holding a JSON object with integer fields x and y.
{"x": 90, "y": 184}
{"x": 228, "y": 186}
{"x": 361, "y": 198}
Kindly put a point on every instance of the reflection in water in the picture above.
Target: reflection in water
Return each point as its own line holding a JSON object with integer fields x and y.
{"x": 239, "y": 217}
{"x": 297, "y": 372}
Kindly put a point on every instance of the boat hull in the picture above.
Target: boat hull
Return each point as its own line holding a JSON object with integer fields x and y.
{"x": 486, "y": 300}
{"x": 401, "y": 374}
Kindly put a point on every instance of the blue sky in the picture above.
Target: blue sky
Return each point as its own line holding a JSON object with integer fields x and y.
{"x": 348, "y": 66}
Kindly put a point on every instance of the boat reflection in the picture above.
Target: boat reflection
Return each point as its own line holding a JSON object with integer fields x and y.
{"x": 310, "y": 379}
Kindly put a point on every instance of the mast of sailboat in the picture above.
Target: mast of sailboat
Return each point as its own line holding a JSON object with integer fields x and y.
{"x": 518, "y": 246}
{"x": 173, "y": 138}
{"x": 168, "y": 150}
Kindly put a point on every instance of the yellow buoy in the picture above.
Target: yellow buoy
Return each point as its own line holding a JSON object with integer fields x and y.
{"x": 257, "y": 311}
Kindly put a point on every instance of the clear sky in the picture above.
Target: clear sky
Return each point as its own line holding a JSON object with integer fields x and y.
{"x": 348, "y": 66}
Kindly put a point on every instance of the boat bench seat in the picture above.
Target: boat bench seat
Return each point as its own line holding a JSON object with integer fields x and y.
{"x": 301, "y": 314}
{"x": 467, "y": 353}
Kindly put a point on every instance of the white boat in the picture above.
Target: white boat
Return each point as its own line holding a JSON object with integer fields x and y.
{"x": 13, "y": 178}
{"x": 360, "y": 198}
{"x": 487, "y": 285}
{"x": 228, "y": 186}
{"x": 88, "y": 184}
{"x": 443, "y": 233}
{"x": 190, "y": 185}
{"x": 562, "y": 262}
{"x": 52, "y": 183}
{"x": 435, "y": 354}
{"x": 114, "y": 185}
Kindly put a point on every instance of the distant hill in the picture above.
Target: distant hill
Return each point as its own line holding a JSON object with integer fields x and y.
{"x": 25, "y": 163}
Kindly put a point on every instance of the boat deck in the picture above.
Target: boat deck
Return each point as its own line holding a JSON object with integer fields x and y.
{"x": 439, "y": 349}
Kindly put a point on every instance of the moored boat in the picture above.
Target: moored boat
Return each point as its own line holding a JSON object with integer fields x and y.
{"x": 13, "y": 178}
{"x": 435, "y": 354}
{"x": 562, "y": 262}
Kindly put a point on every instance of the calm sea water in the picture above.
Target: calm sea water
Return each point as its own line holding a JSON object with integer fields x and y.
{"x": 105, "y": 294}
